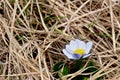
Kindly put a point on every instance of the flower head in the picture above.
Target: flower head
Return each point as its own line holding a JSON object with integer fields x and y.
{"x": 77, "y": 49}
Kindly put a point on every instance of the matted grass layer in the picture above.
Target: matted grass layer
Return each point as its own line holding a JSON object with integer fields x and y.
{"x": 34, "y": 32}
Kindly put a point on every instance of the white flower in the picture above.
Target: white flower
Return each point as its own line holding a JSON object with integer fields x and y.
{"x": 77, "y": 49}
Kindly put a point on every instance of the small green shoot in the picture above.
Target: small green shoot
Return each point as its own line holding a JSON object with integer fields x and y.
{"x": 58, "y": 66}
{"x": 62, "y": 69}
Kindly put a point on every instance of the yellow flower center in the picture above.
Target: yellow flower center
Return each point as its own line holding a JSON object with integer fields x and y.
{"x": 79, "y": 51}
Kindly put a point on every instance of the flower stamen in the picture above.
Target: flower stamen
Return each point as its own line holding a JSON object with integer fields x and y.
{"x": 79, "y": 51}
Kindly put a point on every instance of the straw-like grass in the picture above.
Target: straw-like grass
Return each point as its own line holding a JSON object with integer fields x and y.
{"x": 34, "y": 32}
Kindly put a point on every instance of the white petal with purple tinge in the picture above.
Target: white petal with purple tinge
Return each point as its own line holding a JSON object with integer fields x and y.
{"x": 69, "y": 55}
{"x": 77, "y": 56}
{"x": 88, "y": 47}
{"x": 86, "y": 55}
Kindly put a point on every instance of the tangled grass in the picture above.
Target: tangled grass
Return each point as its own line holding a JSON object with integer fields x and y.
{"x": 34, "y": 32}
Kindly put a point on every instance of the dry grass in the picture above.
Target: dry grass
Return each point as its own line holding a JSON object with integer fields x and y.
{"x": 34, "y": 32}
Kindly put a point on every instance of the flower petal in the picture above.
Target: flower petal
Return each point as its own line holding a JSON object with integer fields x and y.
{"x": 88, "y": 47}
{"x": 68, "y": 48}
{"x": 81, "y": 44}
{"x": 69, "y": 55}
{"x": 77, "y": 56}
{"x": 86, "y": 55}
{"x": 73, "y": 45}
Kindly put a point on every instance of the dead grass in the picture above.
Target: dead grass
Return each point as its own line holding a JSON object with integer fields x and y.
{"x": 33, "y": 33}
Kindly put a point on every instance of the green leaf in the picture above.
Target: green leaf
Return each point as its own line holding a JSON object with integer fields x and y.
{"x": 63, "y": 71}
{"x": 91, "y": 69}
{"x": 66, "y": 70}
{"x": 78, "y": 65}
{"x": 81, "y": 77}
{"x": 100, "y": 78}
{"x": 85, "y": 78}
{"x": 91, "y": 63}
{"x": 58, "y": 66}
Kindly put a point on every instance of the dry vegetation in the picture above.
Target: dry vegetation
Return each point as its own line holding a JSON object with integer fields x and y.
{"x": 34, "y": 32}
